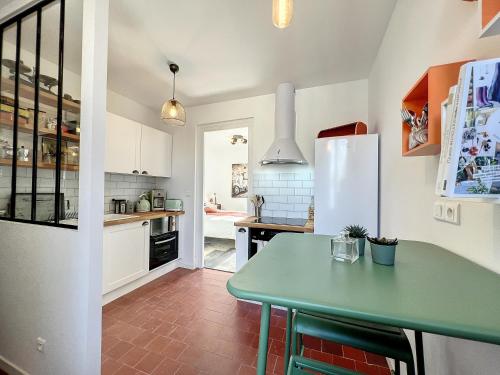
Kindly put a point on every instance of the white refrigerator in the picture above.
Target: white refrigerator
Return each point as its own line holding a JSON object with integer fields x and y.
{"x": 346, "y": 183}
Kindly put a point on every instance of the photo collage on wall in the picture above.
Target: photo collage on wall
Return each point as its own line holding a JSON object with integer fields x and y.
{"x": 478, "y": 170}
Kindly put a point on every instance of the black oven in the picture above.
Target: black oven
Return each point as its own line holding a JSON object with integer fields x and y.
{"x": 164, "y": 247}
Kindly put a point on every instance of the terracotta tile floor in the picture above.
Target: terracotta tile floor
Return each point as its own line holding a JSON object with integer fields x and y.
{"x": 187, "y": 323}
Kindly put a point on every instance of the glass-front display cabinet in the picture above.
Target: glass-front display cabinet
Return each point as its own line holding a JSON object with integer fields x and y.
{"x": 40, "y": 77}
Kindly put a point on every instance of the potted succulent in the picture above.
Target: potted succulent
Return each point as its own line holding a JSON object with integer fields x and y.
{"x": 359, "y": 233}
{"x": 383, "y": 250}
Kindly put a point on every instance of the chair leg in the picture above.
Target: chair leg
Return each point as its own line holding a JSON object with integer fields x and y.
{"x": 410, "y": 368}
{"x": 419, "y": 345}
{"x": 301, "y": 344}
{"x": 294, "y": 343}
{"x": 397, "y": 369}
{"x": 288, "y": 334}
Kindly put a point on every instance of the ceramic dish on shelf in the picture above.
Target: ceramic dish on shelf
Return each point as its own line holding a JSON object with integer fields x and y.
{"x": 11, "y": 65}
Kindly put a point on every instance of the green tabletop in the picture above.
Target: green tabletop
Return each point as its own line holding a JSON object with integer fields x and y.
{"x": 429, "y": 289}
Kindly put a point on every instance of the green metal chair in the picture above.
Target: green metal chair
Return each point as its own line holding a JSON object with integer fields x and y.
{"x": 298, "y": 364}
{"x": 374, "y": 338}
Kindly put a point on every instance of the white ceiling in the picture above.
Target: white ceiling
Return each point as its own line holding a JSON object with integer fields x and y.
{"x": 229, "y": 49}
{"x": 226, "y": 49}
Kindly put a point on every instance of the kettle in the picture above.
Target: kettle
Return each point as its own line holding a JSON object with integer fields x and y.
{"x": 143, "y": 204}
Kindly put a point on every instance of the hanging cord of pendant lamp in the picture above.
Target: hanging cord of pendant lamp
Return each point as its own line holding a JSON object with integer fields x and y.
{"x": 173, "y": 112}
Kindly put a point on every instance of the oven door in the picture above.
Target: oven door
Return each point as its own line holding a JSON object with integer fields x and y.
{"x": 163, "y": 249}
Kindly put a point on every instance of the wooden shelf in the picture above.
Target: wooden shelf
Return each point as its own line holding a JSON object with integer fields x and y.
{"x": 490, "y": 18}
{"x": 433, "y": 88}
{"x": 28, "y": 92}
{"x": 29, "y": 164}
{"x": 43, "y": 132}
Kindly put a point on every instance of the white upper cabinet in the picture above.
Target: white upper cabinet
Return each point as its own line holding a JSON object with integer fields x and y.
{"x": 133, "y": 148}
{"x": 156, "y": 152}
{"x": 123, "y": 145}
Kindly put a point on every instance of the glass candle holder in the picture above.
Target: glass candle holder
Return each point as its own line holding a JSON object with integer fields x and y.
{"x": 344, "y": 248}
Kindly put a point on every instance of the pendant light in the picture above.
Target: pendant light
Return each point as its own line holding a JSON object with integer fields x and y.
{"x": 282, "y": 13}
{"x": 173, "y": 112}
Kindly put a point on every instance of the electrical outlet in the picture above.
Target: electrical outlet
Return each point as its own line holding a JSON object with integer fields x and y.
{"x": 452, "y": 212}
{"x": 439, "y": 210}
{"x": 40, "y": 344}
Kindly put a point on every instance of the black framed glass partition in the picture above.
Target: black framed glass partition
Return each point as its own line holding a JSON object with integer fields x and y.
{"x": 40, "y": 114}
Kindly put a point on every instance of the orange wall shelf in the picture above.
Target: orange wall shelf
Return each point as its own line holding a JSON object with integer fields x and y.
{"x": 432, "y": 88}
{"x": 490, "y": 17}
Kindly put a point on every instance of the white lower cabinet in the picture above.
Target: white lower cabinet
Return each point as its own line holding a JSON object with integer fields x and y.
{"x": 125, "y": 254}
{"x": 241, "y": 247}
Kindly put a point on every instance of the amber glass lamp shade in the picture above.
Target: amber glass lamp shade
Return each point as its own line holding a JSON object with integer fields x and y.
{"x": 282, "y": 13}
{"x": 173, "y": 113}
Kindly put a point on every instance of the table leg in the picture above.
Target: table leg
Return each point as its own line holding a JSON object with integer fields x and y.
{"x": 265, "y": 316}
{"x": 288, "y": 335}
{"x": 419, "y": 344}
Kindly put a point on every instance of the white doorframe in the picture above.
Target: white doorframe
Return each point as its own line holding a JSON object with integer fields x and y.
{"x": 199, "y": 170}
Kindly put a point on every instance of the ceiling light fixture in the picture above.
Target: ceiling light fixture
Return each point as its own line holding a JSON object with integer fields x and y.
{"x": 282, "y": 13}
{"x": 237, "y": 138}
{"x": 173, "y": 112}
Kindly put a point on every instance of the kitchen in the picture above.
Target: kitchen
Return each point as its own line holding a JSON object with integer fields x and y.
{"x": 141, "y": 225}
{"x": 337, "y": 63}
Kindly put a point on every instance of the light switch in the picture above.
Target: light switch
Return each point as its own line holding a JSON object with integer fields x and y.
{"x": 452, "y": 212}
{"x": 439, "y": 210}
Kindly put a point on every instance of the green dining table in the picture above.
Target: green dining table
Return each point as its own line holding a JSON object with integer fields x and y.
{"x": 429, "y": 289}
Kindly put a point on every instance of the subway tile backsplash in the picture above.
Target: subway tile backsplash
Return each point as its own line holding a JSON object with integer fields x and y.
{"x": 285, "y": 194}
{"x": 115, "y": 186}
{"x": 129, "y": 187}
{"x": 45, "y": 184}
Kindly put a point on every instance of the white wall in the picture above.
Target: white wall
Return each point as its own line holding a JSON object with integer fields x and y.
{"x": 317, "y": 108}
{"x": 416, "y": 39}
{"x": 220, "y": 155}
{"x": 128, "y": 108}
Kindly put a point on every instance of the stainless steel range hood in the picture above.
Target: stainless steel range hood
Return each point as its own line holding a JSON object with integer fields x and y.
{"x": 284, "y": 149}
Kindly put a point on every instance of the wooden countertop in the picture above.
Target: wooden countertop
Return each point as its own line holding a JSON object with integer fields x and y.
{"x": 250, "y": 222}
{"x": 141, "y": 216}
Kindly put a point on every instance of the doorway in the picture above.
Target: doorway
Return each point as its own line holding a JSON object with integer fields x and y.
{"x": 225, "y": 192}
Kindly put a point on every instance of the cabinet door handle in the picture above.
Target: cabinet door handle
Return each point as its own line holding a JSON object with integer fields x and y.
{"x": 165, "y": 241}
{"x": 242, "y": 230}
{"x": 135, "y": 171}
{"x": 146, "y": 223}
{"x": 144, "y": 172}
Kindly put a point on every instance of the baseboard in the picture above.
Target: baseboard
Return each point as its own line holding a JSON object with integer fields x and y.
{"x": 10, "y": 368}
{"x": 185, "y": 265}
{"x": 152, "y": 275}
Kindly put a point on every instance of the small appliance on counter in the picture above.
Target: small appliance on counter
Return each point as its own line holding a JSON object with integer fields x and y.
{"x": 120, "y": 206}
{"x": 157, "y": 199}
{"x": 173, "y": 205}
{"x": 130, "y": 207}
{"x": 164, "y": 245}
{"x": 143, "y": 204}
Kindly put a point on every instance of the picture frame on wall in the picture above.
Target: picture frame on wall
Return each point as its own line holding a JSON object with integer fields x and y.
{"x": 239, "y": 180}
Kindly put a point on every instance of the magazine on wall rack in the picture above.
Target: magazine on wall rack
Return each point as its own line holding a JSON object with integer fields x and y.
{"x": 472, "y": 165}
{"x": 446, "y": 115}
